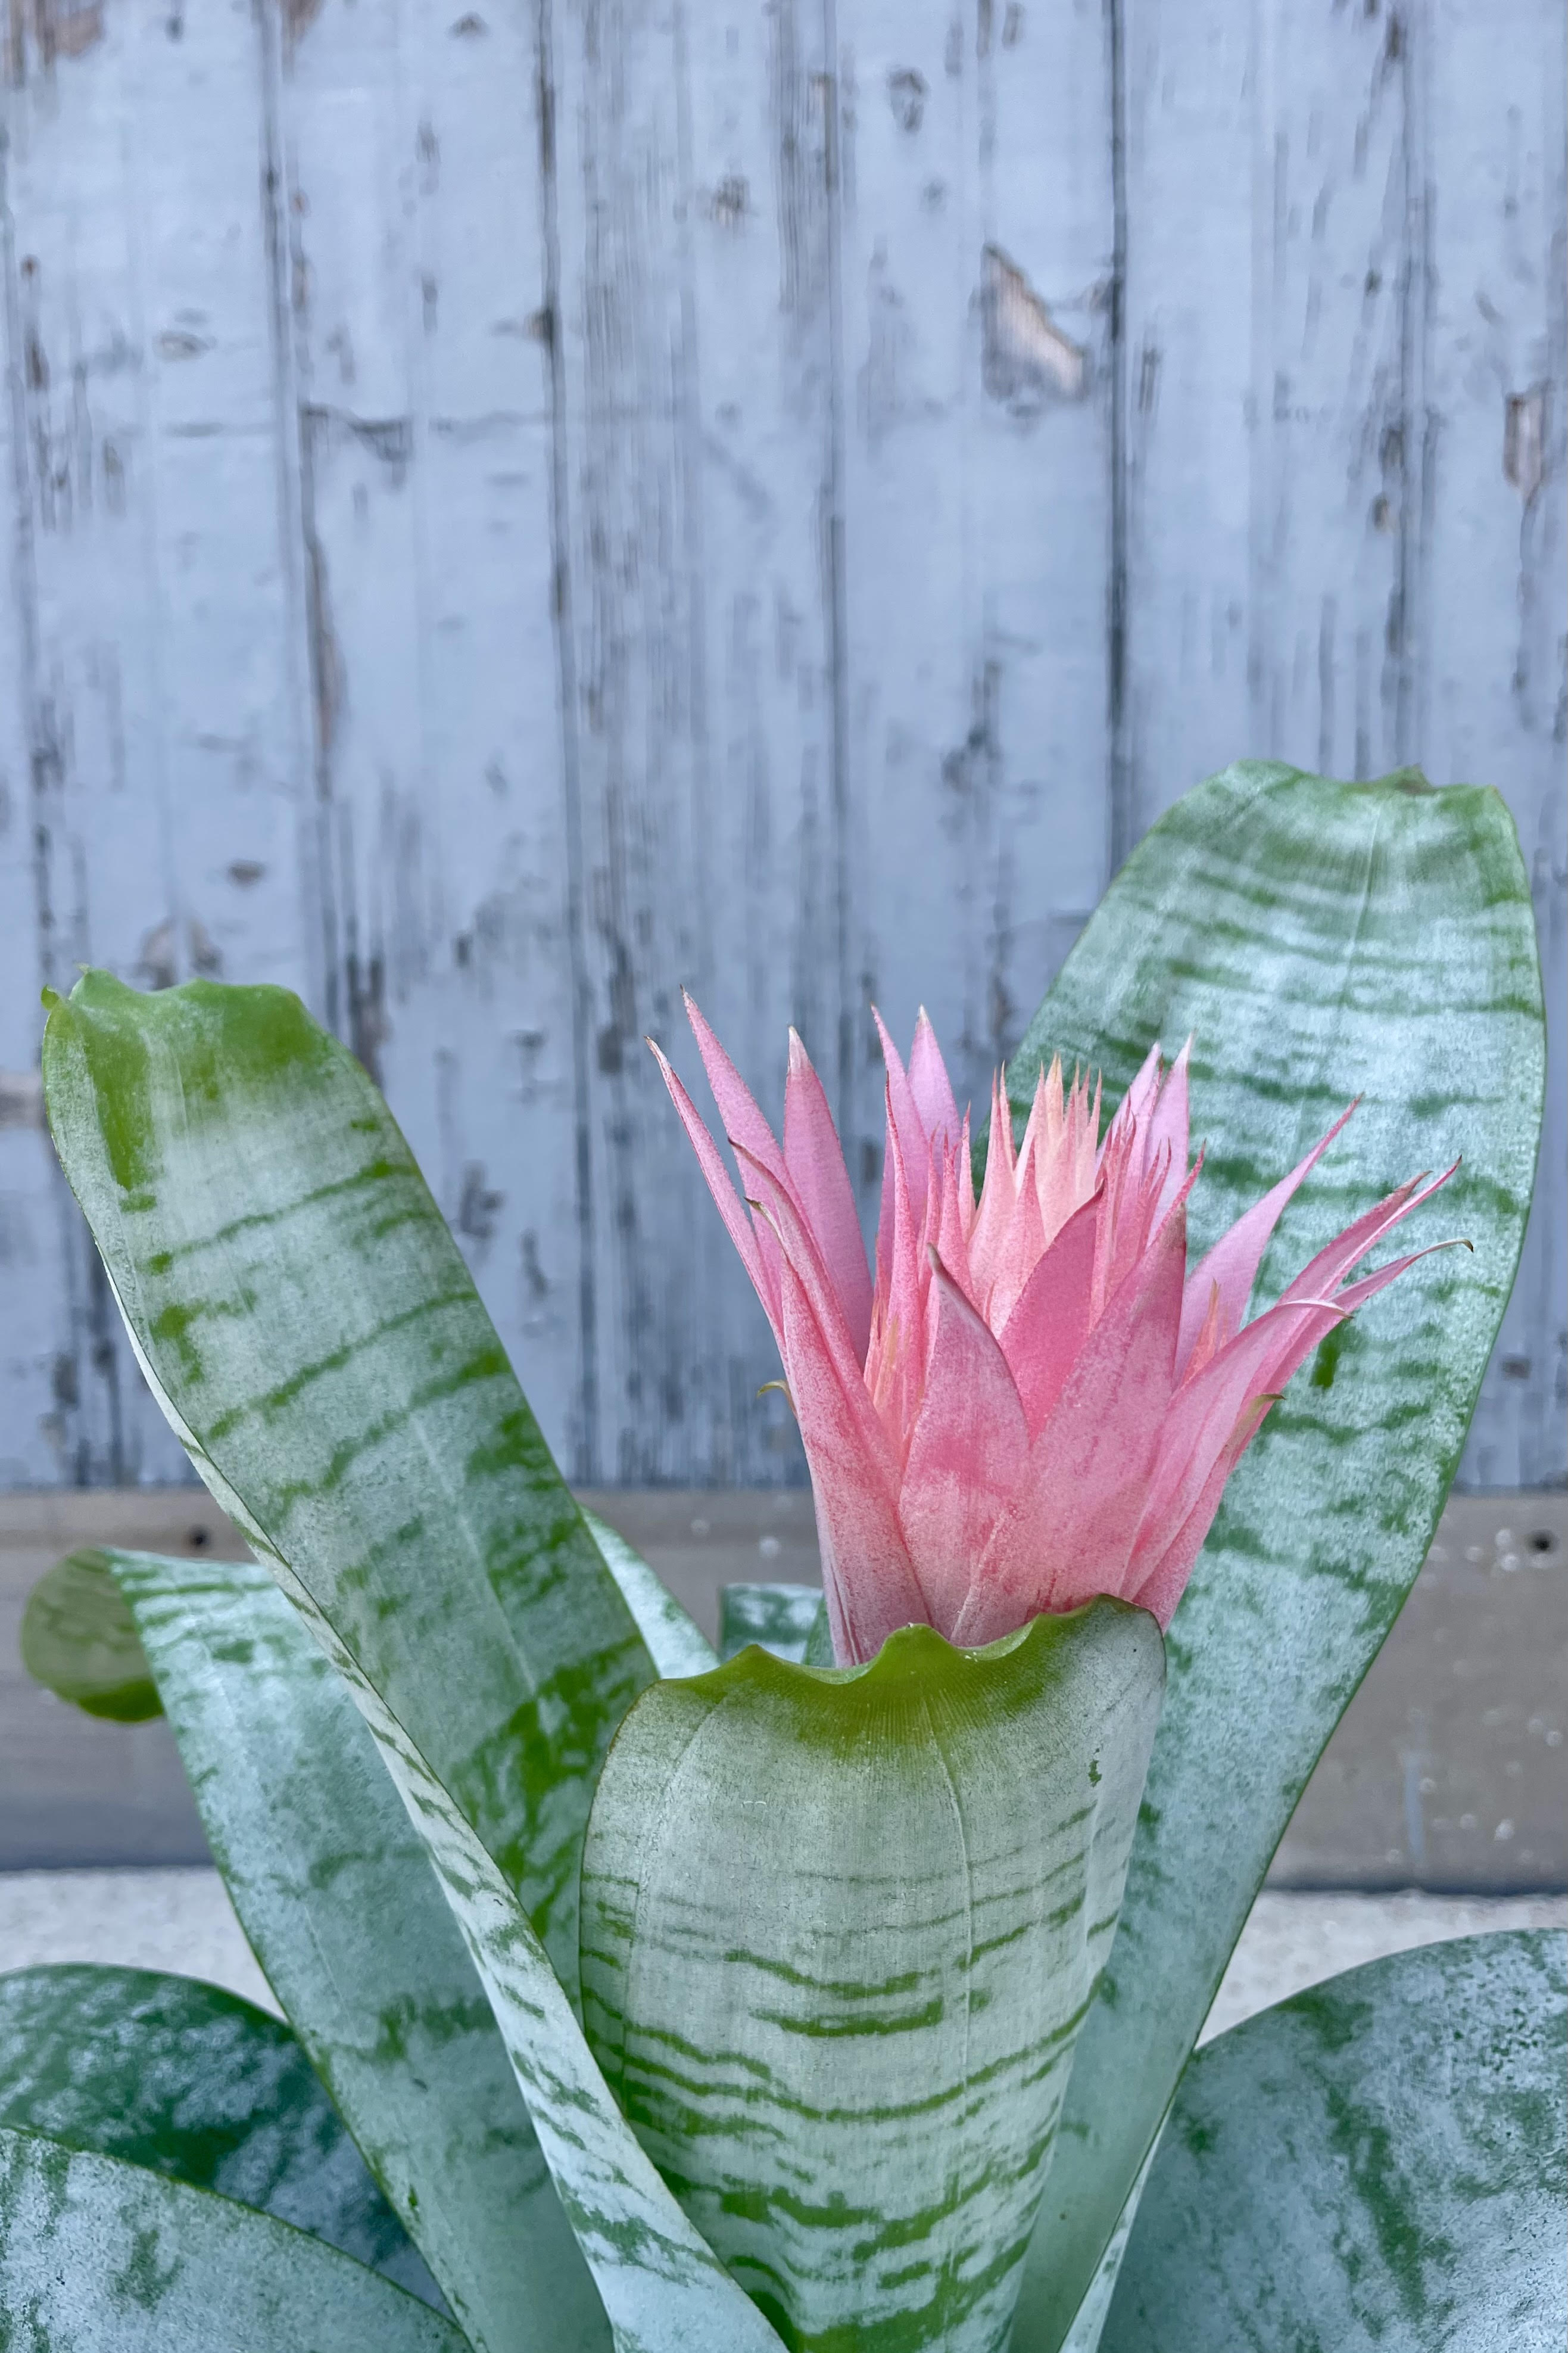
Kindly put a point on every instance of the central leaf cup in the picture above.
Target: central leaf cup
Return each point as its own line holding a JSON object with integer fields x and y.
{"x": 839, "y": 1930}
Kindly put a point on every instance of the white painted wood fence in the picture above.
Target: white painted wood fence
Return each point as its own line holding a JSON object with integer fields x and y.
{"x": 515, "y": 504}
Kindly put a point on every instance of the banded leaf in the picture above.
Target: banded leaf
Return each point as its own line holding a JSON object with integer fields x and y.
{"x": 334, "y": 1890}
{"x": 192, "y": 2081}
{"x": 1378, "y": 2166}
{"x": 663, "y": 2288}
{"x": 313, "y": 1332}
{"x": 840, "y": 1929}
{"x": 99, "y": 2256}
{"x": 202, "y": 1131}
{"x": 1319, "y": 940}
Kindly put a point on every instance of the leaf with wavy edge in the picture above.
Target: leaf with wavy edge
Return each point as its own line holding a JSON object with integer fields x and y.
{"x": 192, "y": 2081}
{"x": 95, "y": 2253}
{"x": 301, "y": 1306}
{"x": 1318, "y": 941}
{"x": 335, "y": 1891}
{"x": 1379, "y": 2165}
{"x": 840, "y": 1929}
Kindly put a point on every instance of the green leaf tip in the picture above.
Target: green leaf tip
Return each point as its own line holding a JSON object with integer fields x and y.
{"x": 221, "y": 1037}
{"x": 79, "y": 1641}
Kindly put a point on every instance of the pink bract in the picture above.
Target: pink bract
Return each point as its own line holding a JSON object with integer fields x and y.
{"x": 1033, "y": 1401}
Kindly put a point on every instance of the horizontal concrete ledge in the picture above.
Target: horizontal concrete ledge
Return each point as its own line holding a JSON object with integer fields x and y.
{"x": 1447, "y": 1773}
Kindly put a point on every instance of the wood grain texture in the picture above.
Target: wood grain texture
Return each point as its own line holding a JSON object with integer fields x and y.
{"x": 1344, "y": 359}
{"x": 515, "y": 508}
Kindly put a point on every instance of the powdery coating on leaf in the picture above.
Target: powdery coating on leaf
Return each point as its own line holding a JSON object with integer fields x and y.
{"x": 97, "y": 2253}
{"x": 1325, "y": 939}
{"x": 1379, "y": 2163}
{"x": 197, "y": 2084}
{"x": 1033, "y": 1401}
{"x": 335, "y": 1894}
{"x": 310, "y": 1323}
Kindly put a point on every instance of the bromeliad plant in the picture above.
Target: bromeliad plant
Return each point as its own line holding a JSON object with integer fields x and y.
{"x": 833, "y": 1999}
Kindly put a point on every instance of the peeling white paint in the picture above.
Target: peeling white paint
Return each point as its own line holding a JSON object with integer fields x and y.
{"x": 513, "y": 512}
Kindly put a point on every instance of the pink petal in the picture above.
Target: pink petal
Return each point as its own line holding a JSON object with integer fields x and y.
{"x": 1355, "y": 1294}
{"x": 930, "y": 1084}
{"x": 1204, "y": 1410}
{"x": 967, "y": 1202}
{"x": 1163, "y": 1579}
{"x": 1139, "y": 1100}
{"x": 799, "y": 1250}
{"x": 1331, "y": 1265}
{"x": 867, "y": 1573}
{"x": 762, "y": 1269}
{"x": 1211, "y": 1406}
{"x": 904, "y": 1119}
{"x": 951, "y": 1232}
{"x": 966, "y": 1455}
{"x": 998, "y": 1194}
{"x": 1069, "y": 1530}
{"x": 1050, "y": 1323}
{"x": 1233, "y": 1260}
{"x": 1063, "y": 1173}
{"x": 816, "y": 1163}
{"x": 744, "y": 1122}
{"x": 1168, "y": 1125}
{"x": 904, "y": 1290}
{"x": 1022, "y": 1241}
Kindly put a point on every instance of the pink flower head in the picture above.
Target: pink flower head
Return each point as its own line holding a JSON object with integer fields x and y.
{"x": 1034, "y": 1402}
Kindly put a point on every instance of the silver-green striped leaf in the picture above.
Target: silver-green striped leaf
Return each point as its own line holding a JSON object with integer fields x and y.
{"x": 664, "y": 2289}
{"x": 192, "y": 2081}
{"x": 1378, "y": 2166}
{"x": 227, "y": 1155}
{"x": 335, "y": 1892}
{"x": 1319, "y": 940}
{"x": 840, "y": 1929}
{"x": 314, "y": 1335}
{"x": 99, "y": 2256}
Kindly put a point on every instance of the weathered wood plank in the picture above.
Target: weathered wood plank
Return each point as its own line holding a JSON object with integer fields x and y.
{"x": 515, "y": 510}
{"x": 692, "y": 221}
{"x": 1341, "y": 230}
{"x": 156, "y": 672}
{"x": 419, "y": 362}
{"x": 1495, "y": 619}
{"x": 33, "y": 1235}
{"x": 977, "y": 251}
